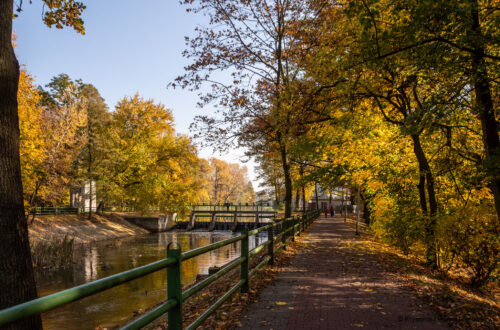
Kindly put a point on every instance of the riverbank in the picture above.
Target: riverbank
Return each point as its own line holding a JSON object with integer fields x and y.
{"x": 48, "y": 228}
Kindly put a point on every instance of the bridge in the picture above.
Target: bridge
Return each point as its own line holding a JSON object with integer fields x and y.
{"x": 236, "y": 214}
{"x": 279, "y": 234}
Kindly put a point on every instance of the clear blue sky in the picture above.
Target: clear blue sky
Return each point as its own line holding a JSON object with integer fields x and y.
{"x": 129, "y": 46}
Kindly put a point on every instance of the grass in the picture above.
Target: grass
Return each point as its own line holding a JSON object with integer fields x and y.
{"x": 57, "y": 253}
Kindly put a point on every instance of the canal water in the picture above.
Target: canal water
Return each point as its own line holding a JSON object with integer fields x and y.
{"x": 117, "y": 305}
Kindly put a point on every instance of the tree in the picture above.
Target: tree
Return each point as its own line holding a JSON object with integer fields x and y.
{"x": 147, "y": 165}
{"x": 64, "y": 119}
{"x": 251, "y": 42}
{"x": 229, "y": 183}
{"x": 463, "y": 44}
{"x": 98, "y": 120}
{"x": 17, "y": 281}
{"x": 391, "y": 76}
{"x": 32, "y": 138}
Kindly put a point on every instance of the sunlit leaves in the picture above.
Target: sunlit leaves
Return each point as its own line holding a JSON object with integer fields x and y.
{"x": 60, "y": 13}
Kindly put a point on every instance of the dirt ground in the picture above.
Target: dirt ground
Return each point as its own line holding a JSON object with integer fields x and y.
{"x": 79, "y": 227}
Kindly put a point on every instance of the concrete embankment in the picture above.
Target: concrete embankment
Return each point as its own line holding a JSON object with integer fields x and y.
{"x": 152, "y": 224}
{"x": 82, "y": 230}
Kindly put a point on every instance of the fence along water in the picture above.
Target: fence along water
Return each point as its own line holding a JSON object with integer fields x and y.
{"x": 287, "y": 229}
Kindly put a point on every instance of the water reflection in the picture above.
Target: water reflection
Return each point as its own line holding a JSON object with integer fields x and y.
{"x": 118, "y": 304}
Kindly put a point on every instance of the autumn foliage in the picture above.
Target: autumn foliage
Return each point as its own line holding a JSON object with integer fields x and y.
{"x": 398, "y": 98}
{"x": 133, "y": 154}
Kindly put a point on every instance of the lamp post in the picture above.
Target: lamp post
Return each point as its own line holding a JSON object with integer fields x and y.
{"x": 357, "y": 211}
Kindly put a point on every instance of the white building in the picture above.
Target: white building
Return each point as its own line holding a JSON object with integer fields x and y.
{"x": 84, "y": 197}
{"x": 338, "y": 198}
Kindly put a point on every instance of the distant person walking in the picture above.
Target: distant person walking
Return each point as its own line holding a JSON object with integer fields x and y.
{"x": 332, "y": 211}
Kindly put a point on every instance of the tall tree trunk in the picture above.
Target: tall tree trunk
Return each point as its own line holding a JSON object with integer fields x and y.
{"x": 303, "y": 189}
{"x": 17, "y": 280}
{"x": 215, "y": 185}
{"x": 421, "y": 189}
{"x": 366, "y": 209}
{"x": 100, "y": 208}
{"x": 297, "y": 198}
{"x": 281, "y": 136}
{"x": 316, "y": 193}
{"x": 484, "y": 107}
{"x": 90, "y": 164}
{"x": 276, "y": 194}
{"x": 288, "y": 179}
{"x": 426, "y": 181}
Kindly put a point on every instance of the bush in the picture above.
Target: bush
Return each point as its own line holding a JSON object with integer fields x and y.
{"x": 57, "y": 253}
{"x": 403, "y": 228}
{"x": 469, "y": 237}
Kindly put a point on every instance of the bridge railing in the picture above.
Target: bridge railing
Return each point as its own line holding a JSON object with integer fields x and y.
{"x": 288, "y": 229}
{"x": 232, "y": 207}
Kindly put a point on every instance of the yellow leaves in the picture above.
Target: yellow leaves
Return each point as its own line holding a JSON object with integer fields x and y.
{"x": 228, "y": 182}
{"x": 357, "y": 325}
{"x": 32, "y": 142}
{"x": 281, "y": 303}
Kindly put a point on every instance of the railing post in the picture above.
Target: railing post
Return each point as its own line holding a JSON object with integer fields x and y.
{"x": 244, "y": 264}
{"x": 303, "y": 222}
{"x": 174, "y": 289}
{"x": 270, "y": 247}
{"x": 293, "y": 228}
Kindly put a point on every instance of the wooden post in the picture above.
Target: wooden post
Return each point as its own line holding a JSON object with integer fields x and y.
{"x": 270, "y": 250}
{"x": 244, "y": 265}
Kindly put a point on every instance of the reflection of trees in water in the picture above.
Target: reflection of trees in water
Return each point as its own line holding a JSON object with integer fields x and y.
{"x": 90, "y": 264}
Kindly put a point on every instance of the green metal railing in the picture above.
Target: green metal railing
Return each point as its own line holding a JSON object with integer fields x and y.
{"x": 53, "y": 210}
{"x": 287, "y": 228}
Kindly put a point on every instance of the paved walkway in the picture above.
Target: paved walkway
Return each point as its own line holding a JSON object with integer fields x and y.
{"x": 335, "y": 283}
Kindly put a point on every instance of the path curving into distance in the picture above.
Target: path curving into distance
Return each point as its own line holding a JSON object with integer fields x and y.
{"x": 335, "y": 282}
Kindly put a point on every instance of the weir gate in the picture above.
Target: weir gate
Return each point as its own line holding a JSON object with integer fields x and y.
{"x": 212, "y": 217}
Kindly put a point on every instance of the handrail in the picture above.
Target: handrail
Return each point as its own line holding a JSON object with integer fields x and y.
{"x": 151, "y": 316}
{"x": 207, "y": 248}
{"x": 57, "y": 299}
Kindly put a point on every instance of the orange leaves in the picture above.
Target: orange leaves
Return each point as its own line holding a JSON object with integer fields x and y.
{"x": 64, "y": 13}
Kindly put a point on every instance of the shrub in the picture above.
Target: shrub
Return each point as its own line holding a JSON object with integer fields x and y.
{"x": 52, "y": 254}
{"x": 403, "y": 227}
{"x": 470, "y": 236}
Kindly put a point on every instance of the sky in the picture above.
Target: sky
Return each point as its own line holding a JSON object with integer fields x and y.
{"x": 129, "y": 47}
